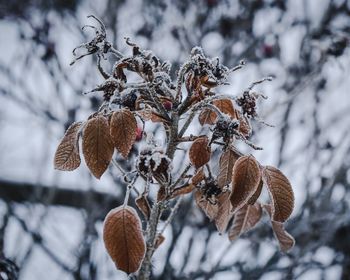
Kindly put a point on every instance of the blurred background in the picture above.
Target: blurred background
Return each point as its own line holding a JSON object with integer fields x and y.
{"x": 51, "y": 221}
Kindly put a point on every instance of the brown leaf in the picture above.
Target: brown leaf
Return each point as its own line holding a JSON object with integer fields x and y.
{"x": 285, "y": 240}
{"x": 97, "y": 145}
{"x": 143, "y": 204}
{"x": 245, "y": 219}
{"x": 161, "y": 195}
{"x": 208, "y": 116}
{"x": 246, "y": 178}
{"x": 281, "y": 193}
{"x": 198, "y": 177}
{"x": 200, "y": 152}
{"x": 122, "y": 235}
{"x": 123, "y": 131}
{"x": 257, "y": 193}
{"x": 209, "y": 209}
{"x": 159, "y": 240}
{"x": 226, "y": 163}
{"x": 185, "y": 189}
{"x": 224, "y": 214}
{"x": 149, "y": 115}
{"x": 244, "y": 125}
{"x": 226, "y": 106}
{"x": 67, "y": 156}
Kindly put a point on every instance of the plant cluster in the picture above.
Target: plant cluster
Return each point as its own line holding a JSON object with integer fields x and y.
{"x": 228, "y": 197}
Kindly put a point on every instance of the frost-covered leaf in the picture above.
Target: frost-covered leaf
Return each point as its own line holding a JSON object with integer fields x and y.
{"x": 159, "y": 240}
{"x": 226, "y": 107}
{"x": 226, "y": 163}
{"x": 97, "y": 145}
{"x": 143, "y": 204}
{"x": 244, "y": 125}
{"x": 208, "y": 116}
{"x": 285, "y": 240}
{"x": 224, "y": 214}
{"x": 185, "y": 189}
{"x": 245, "y": 219}
{"x": 257, "y": 193}
{"x": 149, "y": 115}
{"x": 122, "y": 235}
{"x": 246, "y": 177}
{"x": 123, "y": 129}
{"x": 155, "y": 164}
{"x": 281, "y": 193}
{"x": 209, "y": 209}
{"x": 67, "y": 156}
{"x": 161, "y": 195}
{"x": 200, "y": 152}
{"x": 198, "y": 177}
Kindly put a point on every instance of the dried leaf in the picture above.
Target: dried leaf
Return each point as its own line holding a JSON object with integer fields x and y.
{"x": 143, "y": 204}
{"x": 123, "y": 131}
{"x": 224, "y": 214}
{"x": 154, "y": 163}
{"x": 198, "y": 177}
{"x": 226, "y": 163}
{"x": 246, "y": 177}
{"x": 97, "y": 145}
{"x": 185, "y": 189}
{"x": 122, "y": 235}
{"x": 226, "y": 106}
{"x": 256, "y": 195}
{"x": 161, "y": 195}
{"x": 149, "y": 115}
{"x": 208, "y": 116}
{"x": 200, "y": 152}
{"x": 159, "y": 240}
{"x": 67, "y": 156}
{"x": 209, "y": 209}
{"x": 285, "y": 240}
{"x": 244, "y": 125}
{"x": 281, "y": 193}
{"x": 245, "y": 219}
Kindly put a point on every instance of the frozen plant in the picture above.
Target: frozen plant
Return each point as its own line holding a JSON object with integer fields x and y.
{"x": 229, "y": 198}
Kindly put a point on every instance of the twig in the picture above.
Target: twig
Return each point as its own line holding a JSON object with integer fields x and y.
{"x": 172, "y": 214}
